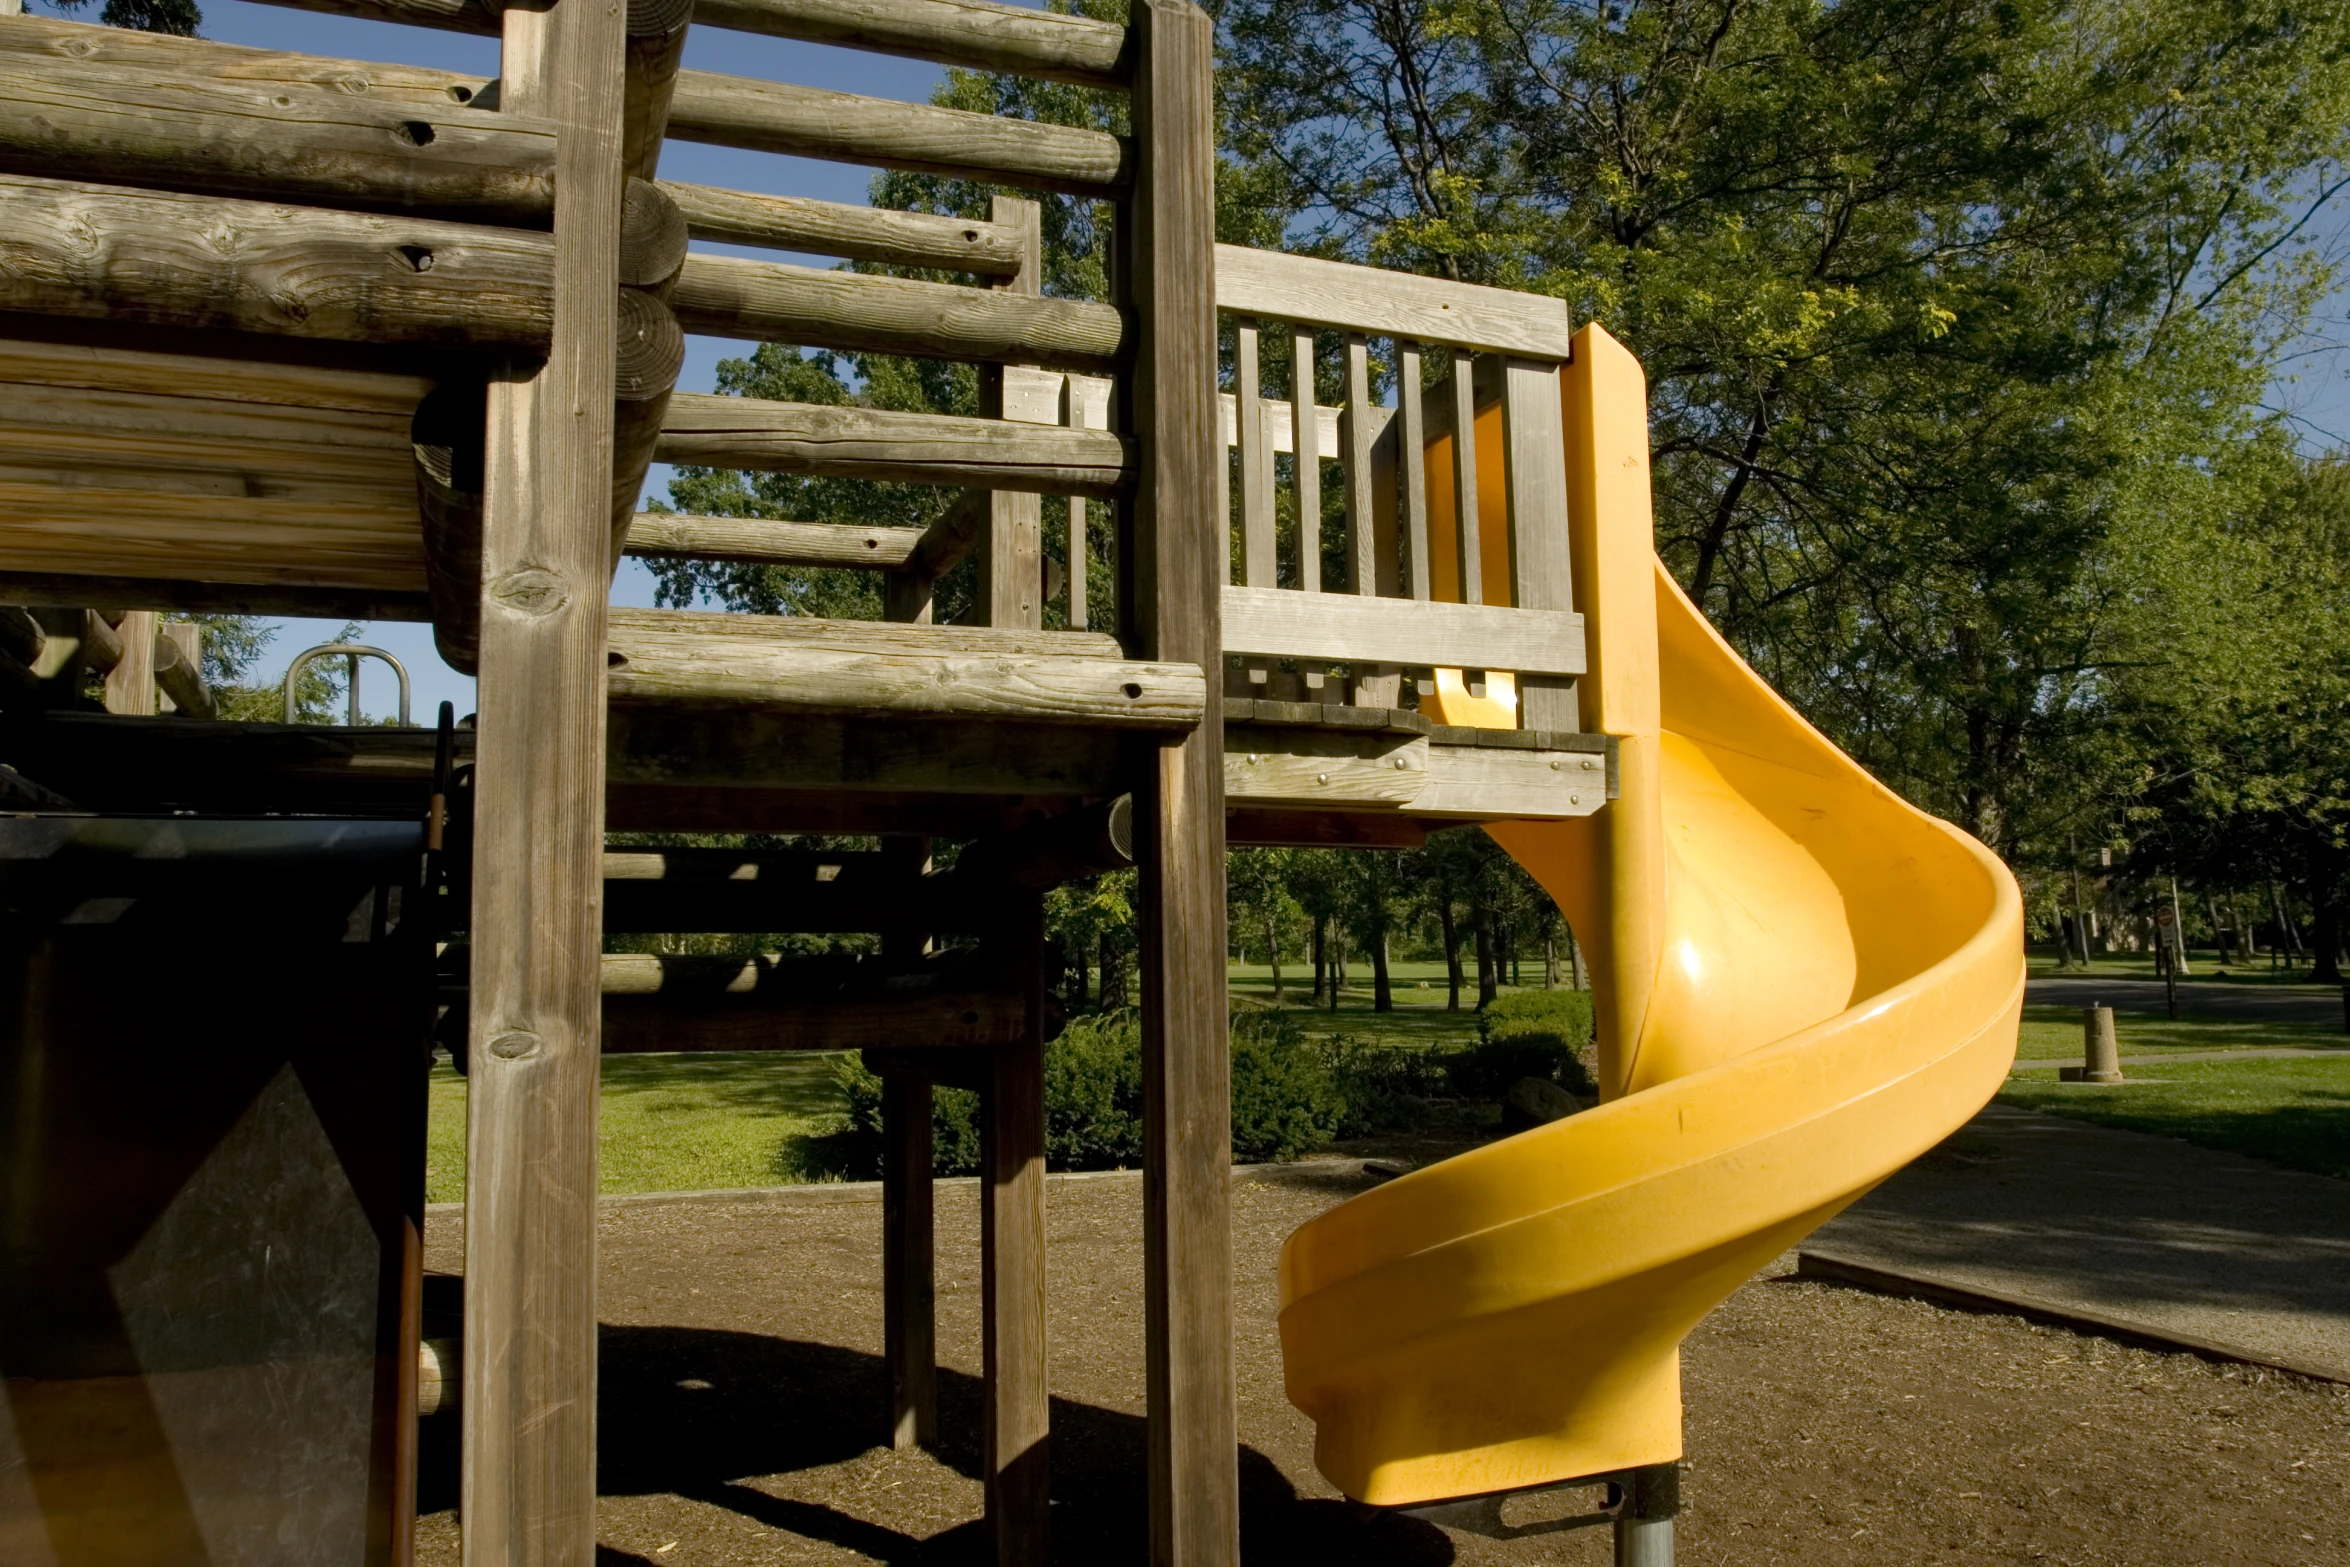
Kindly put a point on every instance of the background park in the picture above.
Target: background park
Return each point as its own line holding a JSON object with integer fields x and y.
{"x": 2000, "y": 422}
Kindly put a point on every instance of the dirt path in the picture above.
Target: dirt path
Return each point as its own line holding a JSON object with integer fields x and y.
{"x": 741, "y": 1412}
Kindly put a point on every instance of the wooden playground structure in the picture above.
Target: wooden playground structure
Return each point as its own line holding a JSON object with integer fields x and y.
{"x": 306, "y": 336}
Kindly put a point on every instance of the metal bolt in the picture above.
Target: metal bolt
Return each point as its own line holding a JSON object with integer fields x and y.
{"x": 1321, "y": 777}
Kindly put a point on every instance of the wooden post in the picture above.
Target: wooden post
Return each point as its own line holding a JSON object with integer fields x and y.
{"x": 909, "y": 1280}
{"x": 1171, "y": 568}
{"x": 1534, "y": 461}
{"x": 1017, "y": 1417}
{"x": 529, "y": 1473}
{"x": 130, "y": 684}
{"x": 1011, "y": 560}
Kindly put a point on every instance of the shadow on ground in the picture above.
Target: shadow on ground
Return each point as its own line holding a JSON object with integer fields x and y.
{"x": 700, "y": 1413}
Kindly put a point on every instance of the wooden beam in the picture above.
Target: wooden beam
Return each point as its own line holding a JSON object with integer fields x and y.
{"x": 1309, "y": 291}
{"x": 770, "y": 541}
{"x": 1169, "y": 272}
{"x": 875, "y": 443}
{"x": 1011, "y": 556}
{"x": 789, "y": 663}
{"x": 754, "y": 749}
{"x": 101, "y": 252}
{"x": 1324, "y": 768}
{"x": 948, "y": 541}
{"x": 212, "y": 598}
{"x": 179, "y": 669}
{"x": 978, "y": 1020}
{"x": 734, "y": 296}
{"x": 1283, "y": 624}
{"x": 966, "y": 33}
{"x": 1485, "y": 784}
{"x": 171, "y": 121}
{"x": 529, "y": 1470}
{"x": 852, "y": 905}
{"x": 130, "y": 683}
{"x": 832, "y": 228}
{"x": 809, "y": 122}
{"x": 909, "y": 1285}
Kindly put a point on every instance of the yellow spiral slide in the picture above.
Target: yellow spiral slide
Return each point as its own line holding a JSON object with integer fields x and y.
{"x": 1801, "y": 983}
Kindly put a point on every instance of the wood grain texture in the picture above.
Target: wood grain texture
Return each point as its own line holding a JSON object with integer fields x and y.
{"x": 1308, "y": 291}
{"x": 772, "y": 301}
{"x": 1259, "y": 564}
{"x": 1168, "y": 271}
{"x": 173, "y": 122}
{"x": 107, "y": 253}
{"x": 1306, "y": 467}
{"x": 1077, "y": 567}
{"x": 1362, "y": 563}
{"x": 1487, "y": 784}
{"x": 1412, "y": 453}
{"x": 1016, "y": 1412}
{"x": 809, "y": 122}
{"x": 1534, "y": 461}
{"x": 1468, "y": 532}
{"x": 1324, "y": 768}
{"x": 36, "y": 40}
{"x": 770, "y": 541}
{"x": 832, "y": 228}
{"x": 873, "y": 443}
{"x": 130, "y": 681}
{"x": 909, "y": 1273}
{"x": 1011, "y": 554}
{"x": 213, "y": 598}
{"x": 791, "y": 663}
{"x": 529, "y": 1465}
{"x": 179, "y": 669}
{"x": 966, "y": 33}
{"x": 1343, "y": 628}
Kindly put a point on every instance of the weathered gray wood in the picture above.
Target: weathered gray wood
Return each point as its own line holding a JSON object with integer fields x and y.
{"x": 170, "y": 118}
{"x": 447, "y": 435}
{"x": 179, "y": 669}
{"x": 909, "y": 1283}
{"x": 1016, "y": 1414}
{"x": 1323, "y": 768}
{"x": 1362, "y": 562}
{"x": 1306, "y": 290}
{"x": 965, "y": 33}
{"x": 655, "y": 46}
{"x": 1468, "y": 537}
{"x": 653, "y": 237}
{"x": 874, "y": 443}
{"x": 1168, "y": 271}
{"x": 652, "y": 352}
{"x": 1080, "y": 557}
{"x": 1481, "y": 783}
{"x": 102, "y": 252}
{"x": 215, "y": 598}
{"x": 1281, "y": 624}
{"x": 770, "y": 541}
{"x": 130, "y": 682}
{"x": 1011, "y": 556}
{"x": 1412, "y": 463}
{"x": 945, "y": 543}
{"x": 1534, "y": 456}
{"x": 832, "y": 228}
{"x": 792, "y": 663}
{"x": 1306, "y": 460}
{"x": 734, "y": 296}
{"x": 1259, "y": 566}
{"x": 529, "y": 1469}
{"x": 434, "y": 92}
{"x": 808, "y": 122}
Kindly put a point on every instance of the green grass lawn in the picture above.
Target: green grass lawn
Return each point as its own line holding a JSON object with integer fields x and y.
{"x": 2296, "y": 1112}
{"x": 675, "y": 1123}
{"x": 1419, "y": 1018}
{"x": 2203, "y": 966}
{"x": 2054, "y": 1034}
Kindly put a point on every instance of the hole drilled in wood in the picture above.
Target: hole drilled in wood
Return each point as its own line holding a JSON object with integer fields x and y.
{"x": 417, "y": 132}
{"x": 418, "y": 257}
{"x": 461, "y": 94}
{"x": 1132, "y": 689}
{"x": 615, "y": 660}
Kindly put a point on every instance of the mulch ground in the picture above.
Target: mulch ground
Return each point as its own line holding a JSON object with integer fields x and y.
{"x": 742, "y": 1415}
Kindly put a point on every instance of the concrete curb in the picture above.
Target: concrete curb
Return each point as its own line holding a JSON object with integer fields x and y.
{"x": 1831, "y": 1268}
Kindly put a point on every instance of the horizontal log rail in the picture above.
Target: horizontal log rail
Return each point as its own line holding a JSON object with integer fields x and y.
{"x": 173, "y": 121}
{"x": 1346, "y": 628}
{"x": 809, "y": 122}
{"x": 961, "y": 1019}
{"x": 875, "y": 443}
{"x": 1307, "y": 291}
{"x": 729, "y": 296}
{"x": 37, "y": 40}
{"x": 105, "y": 253}
{"x": 484, "y": 17}
{"x": 834, "y": 228}
{"x": 966, "y": 33}
{"x": 766, "y": 541}
{"x": 877, "y": 669}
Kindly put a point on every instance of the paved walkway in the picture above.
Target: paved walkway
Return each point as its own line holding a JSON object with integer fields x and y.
{"x": 2126, "y": 1225}
{"x": 2312, "y": 1006}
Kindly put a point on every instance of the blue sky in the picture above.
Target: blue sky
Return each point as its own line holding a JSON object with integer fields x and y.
{"x": 2313, "y": 385}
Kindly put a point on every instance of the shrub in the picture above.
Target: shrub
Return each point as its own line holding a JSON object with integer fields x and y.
{"x": 1382, "y": 1086}
{"x": 1284, "y": 1100}
{"x": 1564, "y": 1015}
{"x": 854, "y": 1153}
{"x": 1528, "y": 1033}
{"x": 1093, "y": 1094}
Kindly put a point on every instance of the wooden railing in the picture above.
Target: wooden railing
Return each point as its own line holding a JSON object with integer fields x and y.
{"x": 1454, "y": 567}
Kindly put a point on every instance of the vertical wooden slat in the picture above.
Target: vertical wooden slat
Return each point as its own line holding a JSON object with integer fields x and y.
{"x": 529, "y": 1476}
{"x": 1017, "y": 1416}
{"x": 1535, "y": 461}
{"x": 1258, "y": 561}
{"x": 1412, "y": 447}
{"x": 1354, "y": 440}
{"x": 1011, "y": 557}
{"x": 1305, "y": 443}
{"x": 130, "y": 684}
{"x": 909, "y": 1279}
{"x": 1464, "y": 477}
{"x": 1073, "y": 415}
{"x": 1179, "y": 804}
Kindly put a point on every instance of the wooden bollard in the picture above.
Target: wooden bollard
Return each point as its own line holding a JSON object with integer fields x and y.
{"x": 2101, "y": 1058}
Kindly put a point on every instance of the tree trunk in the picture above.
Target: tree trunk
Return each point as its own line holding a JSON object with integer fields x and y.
{"x": 1382, "y": 989}
{"x": 1575, "y": 959}
{"x": 1452, "y": 953}
{"x": 1321, "y": 957}
{"x": 1550, "y": 962}
{"x": 1113, "y": 967}
{"x": 1337, "y": 963}
{"x": 1273, "y": 953}
{"x": 1488, "y": 959}
{"x": 2325, "y": 938}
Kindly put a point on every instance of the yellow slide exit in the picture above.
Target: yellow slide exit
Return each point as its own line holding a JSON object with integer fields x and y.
{"x": 1801, "y": 983}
